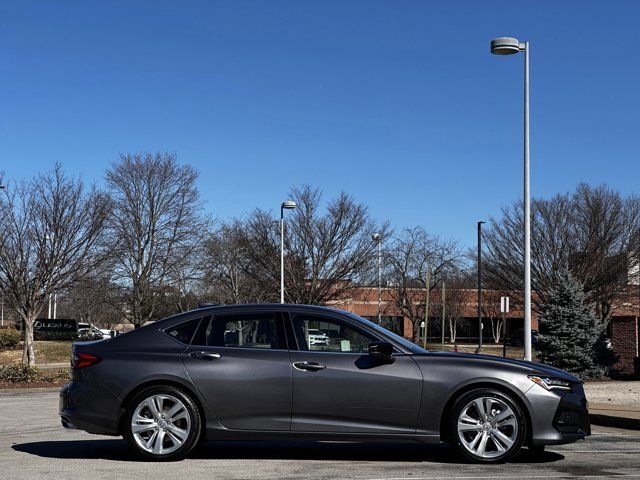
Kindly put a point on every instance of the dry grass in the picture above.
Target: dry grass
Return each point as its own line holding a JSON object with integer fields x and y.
{"x": 46, "y": 352}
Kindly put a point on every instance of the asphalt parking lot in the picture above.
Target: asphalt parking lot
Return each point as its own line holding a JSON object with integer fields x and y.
{"x": 34, "y": 445}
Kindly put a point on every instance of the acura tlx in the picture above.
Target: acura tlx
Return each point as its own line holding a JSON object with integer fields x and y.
{"x": 247, "y": 372}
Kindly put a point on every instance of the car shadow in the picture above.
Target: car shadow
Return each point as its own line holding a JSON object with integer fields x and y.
{"x": 118, "y": 450}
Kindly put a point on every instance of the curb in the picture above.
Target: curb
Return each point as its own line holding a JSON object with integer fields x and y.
{"x": 8, "y": 392}
{"x": 613, "y": 421}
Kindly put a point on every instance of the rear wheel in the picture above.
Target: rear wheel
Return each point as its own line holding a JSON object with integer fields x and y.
{"x": 487, "y": 426}
{"x": 162, "y": 424}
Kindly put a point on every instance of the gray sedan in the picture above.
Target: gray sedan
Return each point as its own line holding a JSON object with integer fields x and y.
{"x": 250, "y": 372}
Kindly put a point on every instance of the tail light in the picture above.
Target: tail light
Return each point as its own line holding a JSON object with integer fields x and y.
{"x": 81, "y": 360}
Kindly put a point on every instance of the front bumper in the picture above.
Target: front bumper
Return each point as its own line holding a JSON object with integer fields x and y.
{"x": 558, "y": 417}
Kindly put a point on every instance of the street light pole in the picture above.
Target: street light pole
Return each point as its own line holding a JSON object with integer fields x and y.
{"x": 376, "y": 237}
{"x": 510, "y": 46}
{"x": 427, "y": 284}
{"x": 480, "y": 286}
{"x": 288, "y": 205}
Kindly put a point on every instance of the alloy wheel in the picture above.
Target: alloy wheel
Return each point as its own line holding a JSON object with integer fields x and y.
{"x": 487, "y": 427}
{"x": 160, "y": 424}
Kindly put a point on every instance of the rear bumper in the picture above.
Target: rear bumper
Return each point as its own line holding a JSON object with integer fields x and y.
{"x": 81, "y": 407}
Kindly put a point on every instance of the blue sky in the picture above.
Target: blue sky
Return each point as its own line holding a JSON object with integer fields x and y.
{"x": 397, "y": 102}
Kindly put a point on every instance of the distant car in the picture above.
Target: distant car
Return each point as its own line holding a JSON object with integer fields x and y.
{"x": 94, "y": 334}
{"x": 517, "y": 337}
{"x": 318, "y": 337}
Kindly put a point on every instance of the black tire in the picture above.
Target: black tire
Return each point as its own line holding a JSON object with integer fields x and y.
{"x": 520, "y": 433}
{"x": 194, "y": 419}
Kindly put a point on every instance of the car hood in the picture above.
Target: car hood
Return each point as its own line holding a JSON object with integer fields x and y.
{"x": 531, "y": 368}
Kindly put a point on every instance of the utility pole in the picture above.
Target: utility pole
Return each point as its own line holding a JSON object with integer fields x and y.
{"x": 287, "y": 205}
{"x": 376, "y": 237}
{"x": 443, "y": 312}
{"x": 426, "y": 307}
{"x": 479, "y": 287}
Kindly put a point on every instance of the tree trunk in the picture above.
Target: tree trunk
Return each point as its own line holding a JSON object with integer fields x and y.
{"x": 416, "y": 331}
{"x": 453, "y": 330}
{"x": 496, "y": 329}
{"x": 28, "y": 355}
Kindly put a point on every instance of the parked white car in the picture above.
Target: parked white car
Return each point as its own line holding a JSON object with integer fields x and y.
{"x": 318, "y": 337}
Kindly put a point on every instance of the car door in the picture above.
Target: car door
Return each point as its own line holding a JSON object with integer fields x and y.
{"x": 240, "y": 364}
{"x": 338, "y": 387}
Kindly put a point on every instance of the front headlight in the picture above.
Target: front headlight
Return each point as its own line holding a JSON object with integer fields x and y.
{"x": 550, "y": 383}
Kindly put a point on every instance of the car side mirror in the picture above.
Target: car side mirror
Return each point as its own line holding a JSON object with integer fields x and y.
{"x": 381, "y": 352}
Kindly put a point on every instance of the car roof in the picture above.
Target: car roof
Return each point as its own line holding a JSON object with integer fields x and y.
{"x": 262, "y": 307}
{"x": 271, "y": 307}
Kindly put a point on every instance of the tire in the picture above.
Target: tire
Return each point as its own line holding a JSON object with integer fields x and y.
{"x": 162, "y": 423}
{"x": 478, "y": 438}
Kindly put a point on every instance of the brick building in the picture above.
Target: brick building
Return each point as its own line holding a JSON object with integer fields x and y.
{"x": 623, "y": 328}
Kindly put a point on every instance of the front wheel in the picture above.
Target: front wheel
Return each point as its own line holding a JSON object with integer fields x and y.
{"x": 487, "y": 426}
{"x": 162, "y": 424}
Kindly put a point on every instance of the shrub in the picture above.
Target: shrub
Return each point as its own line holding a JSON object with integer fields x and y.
{"x": 9, "y": 338}
{"x": 18, "y": 373}
{"x": 54, "y": 376}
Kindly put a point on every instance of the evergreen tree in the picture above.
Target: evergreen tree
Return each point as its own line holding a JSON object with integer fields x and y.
{"x": 571, "y": 337}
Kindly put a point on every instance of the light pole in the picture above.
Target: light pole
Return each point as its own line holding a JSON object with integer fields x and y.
{"x": 510, "y": 46}
{"x": 376, "y": 237}
{"x": 52, "y": 296}
{"x": 480, "y": 286}
{"x": 287, "y": 205}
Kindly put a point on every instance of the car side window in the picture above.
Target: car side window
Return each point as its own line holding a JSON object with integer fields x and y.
{"x": 245, "y": 330}
{"x": 183, "y": 332}
{"x": 325, "y": 334}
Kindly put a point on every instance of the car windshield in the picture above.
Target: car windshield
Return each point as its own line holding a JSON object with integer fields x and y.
{"x": 412, "y": 347}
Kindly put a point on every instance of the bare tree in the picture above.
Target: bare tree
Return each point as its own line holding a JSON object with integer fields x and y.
{"x": 51, "y": 230}
{"x": 407, "y": 258}
{"x": 491, "y": 310}
{"x": 240, "y": 261}
{"x": 327, "y": 252}
{"x": 157, "y": 225}
{"x": 456, "y": 301}
{"x": 590, "y": 232}
{"x": 94, "y": 299}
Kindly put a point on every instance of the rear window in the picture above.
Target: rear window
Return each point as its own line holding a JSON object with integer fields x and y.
{"x": 183, "y": 332}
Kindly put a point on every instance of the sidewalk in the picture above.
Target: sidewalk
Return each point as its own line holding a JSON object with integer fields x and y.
{"x": 614, "y": 404}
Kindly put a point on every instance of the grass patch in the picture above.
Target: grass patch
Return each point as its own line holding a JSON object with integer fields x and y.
{"x": 46, "y": 352}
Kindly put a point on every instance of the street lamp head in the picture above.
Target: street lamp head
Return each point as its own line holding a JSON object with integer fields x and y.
{"x": 288, "y": 205}
{"x": 505, "y": 46}
{"x": 376, "y": 237}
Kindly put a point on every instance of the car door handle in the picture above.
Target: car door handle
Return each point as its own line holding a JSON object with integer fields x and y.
{"x": 205, "y": 355}
{"x": 309, "y": 366}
